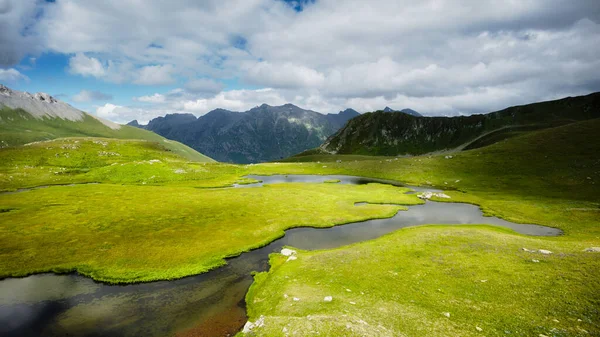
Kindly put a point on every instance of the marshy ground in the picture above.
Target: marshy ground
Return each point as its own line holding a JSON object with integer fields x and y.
{"x": 156, "y": 216}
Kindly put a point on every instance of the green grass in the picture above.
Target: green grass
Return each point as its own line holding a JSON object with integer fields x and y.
{"x": 17, "y": 127}
{"x": 403, "y": 283}
{"x": 415, "y": 275}
{"x": 156, "y": 216}
{"x": 122, "y": 234}
{"x": 332, "y": 181}
{"x": 101, "y": 160}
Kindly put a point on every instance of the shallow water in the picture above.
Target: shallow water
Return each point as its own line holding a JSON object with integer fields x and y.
{"x": 211, "y": 304}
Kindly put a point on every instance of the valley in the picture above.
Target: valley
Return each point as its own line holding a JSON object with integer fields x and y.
{"x": 299, "y": 168}
{"x": 106, "y": 212}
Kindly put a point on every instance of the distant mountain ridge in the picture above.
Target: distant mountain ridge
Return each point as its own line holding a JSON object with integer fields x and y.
{"x": 264, "y": 133}
{"x": 27, "y": 118}
{"x": 406, "y": 111}
{"x": 391, "y": 133}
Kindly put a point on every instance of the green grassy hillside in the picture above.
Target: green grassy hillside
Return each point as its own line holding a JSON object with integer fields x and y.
{"x": 106, "y": 160}
{"x": 17, "y": 127}
{"x": 387, "y": 133}
{"x": 457, "y": 281}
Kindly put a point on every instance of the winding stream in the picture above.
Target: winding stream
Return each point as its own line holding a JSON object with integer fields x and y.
{"x": 210, "y": 304}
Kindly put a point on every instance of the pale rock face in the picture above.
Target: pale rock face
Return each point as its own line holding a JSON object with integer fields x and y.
{"x": 42, "y": 105}
{"x": 288, "y": 252}
{"x": 249, "y": 326}
{"x": 428, "y": 195}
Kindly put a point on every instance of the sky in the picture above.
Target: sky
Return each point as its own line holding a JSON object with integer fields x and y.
{"x": 139, "y": 59}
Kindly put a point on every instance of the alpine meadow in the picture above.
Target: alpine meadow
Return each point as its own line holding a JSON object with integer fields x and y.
{"x": 299, "y": 168}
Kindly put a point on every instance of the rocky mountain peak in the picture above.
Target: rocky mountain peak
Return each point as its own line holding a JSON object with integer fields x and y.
{"x": 349, "y": 111}
{"x": 5, "y": 90}
{"x": 44, "y": 97}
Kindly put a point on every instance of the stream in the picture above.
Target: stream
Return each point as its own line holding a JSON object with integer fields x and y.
{"x": 210, "y": 304}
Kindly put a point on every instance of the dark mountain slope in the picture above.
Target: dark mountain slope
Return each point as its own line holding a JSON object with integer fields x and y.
{"x": 263, "y": 133}
{"x": 406, "y": 111}
{"x": 391, "y": 133}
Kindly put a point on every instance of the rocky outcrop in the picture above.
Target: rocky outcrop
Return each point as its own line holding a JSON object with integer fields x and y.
{"x": 42, "y": 105}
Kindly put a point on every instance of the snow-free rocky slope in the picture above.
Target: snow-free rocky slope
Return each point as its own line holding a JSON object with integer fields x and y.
{"x": 26, "y": 118}
{"x": 393, "y": 133}
{"x": 264, "y": 133}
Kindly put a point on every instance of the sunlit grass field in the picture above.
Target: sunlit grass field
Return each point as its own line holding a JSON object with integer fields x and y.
{"x": 153, "y": 215}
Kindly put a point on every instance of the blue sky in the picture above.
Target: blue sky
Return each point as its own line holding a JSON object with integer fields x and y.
{"x": 123, "y": 61}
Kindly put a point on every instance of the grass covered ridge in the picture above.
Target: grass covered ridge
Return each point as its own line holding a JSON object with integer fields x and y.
{"x": 18, "y": 127}
{"x": 102, "y": 160}
{"x": 122, "y": 234}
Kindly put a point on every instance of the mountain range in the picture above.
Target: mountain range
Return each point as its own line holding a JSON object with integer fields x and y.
{"x": 264, "y": 133}
{"x": 27, "y": 118}
{"x": 406, "y": 111}
{"x": 391, "y": 134}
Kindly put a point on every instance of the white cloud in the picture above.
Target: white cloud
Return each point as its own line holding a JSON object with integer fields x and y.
{"x": 156, "y": 98}
{"x": 11, "y": 75}
{"x": 447, "y": 57}
{"x": 15, "y": 40}
{"x": 155, "y": 75}
{"x": 88, "y": 96}
{"x": 122, "y": 114}
{"x": 86, "y": 66}
{"x": 109, "y": 111}
{"x": 286, "y": 75}
{"x": 203, "y": 85}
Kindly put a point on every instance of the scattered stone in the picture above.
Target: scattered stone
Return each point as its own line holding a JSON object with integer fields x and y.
{"x": 589, "y": 178}
{"x": 483, "y": 281}
{"x": 535, "y": 261}
{"x": 541, "y": 251}
{"x": 555, "y": 321}
{"x": 296, "y": 299}
{"x": 249, "y": 326}
{"x": 478, "y": 329}
{"x": 288, "y": 252}
{"x": 179, "y": 171}
{"x": 353, "y": 303}
{"x": 448, "y": 157}
{"x": 285, "y": 296}
{"x": 428, "y": 195}
{"x": 292, "y": 258}
{"x": 348, "y": 290}
{"x": 592, "y": 250}
{"x": 284, "y": 330}
{"x": 457, "y": 181}
{"x": 447, "y": 314}
{"x": 328, "y": 299}
{"x": 154, "y": 161}
{"x": 338, "y": 161}
{"x": 542, "y": 335}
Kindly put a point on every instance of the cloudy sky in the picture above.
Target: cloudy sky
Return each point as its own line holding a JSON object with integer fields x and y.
{"x": 138, "y": 59}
